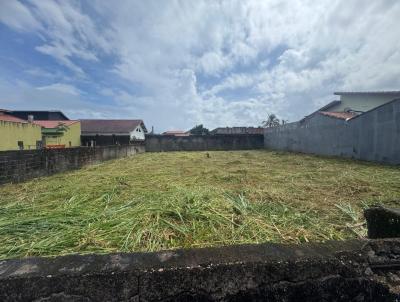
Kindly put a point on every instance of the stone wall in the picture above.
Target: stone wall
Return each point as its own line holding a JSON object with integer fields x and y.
{"x": 16, "y": 166}
{"x": 355, "y": 270}
{"x": 372, "y": 136}
{"x": 158, "y": 143}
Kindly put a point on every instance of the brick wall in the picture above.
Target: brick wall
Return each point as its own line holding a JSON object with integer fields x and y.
{"x": 16, "y": 166}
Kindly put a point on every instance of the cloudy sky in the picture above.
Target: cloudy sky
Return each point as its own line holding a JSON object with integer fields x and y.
{"x": 179, "y": 63}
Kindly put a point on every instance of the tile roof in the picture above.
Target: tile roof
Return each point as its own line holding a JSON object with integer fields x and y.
{"x": 339, "y": 115}
{"x": 110, "y": 126}
{"x": 10, "y": 118}
{"x": 54, "y": 124}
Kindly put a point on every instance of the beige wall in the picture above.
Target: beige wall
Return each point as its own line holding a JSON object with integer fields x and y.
{"x": 11, "y": 133}
{"x": 72, "y": 135}
{"x": 360, "y": 102}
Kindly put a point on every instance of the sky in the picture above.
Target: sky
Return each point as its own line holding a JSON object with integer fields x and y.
{"x": 176, "y": 64}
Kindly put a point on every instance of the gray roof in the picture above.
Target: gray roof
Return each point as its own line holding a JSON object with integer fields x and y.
{"x": 394, "y": 92}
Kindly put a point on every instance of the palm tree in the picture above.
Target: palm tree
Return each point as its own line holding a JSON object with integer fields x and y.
{"x": 271, "y": 121}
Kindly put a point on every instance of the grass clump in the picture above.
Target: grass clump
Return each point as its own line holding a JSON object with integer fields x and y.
{"x": 157, "y": 201}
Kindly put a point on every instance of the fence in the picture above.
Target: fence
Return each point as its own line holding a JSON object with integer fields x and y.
{"x": 157, "y": 143}
{"x": 17, "y": 166}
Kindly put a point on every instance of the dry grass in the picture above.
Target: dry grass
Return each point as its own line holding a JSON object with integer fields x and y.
{"x": 159, "y": 201}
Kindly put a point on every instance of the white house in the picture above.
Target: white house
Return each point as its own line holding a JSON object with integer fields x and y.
{"x": 112, "y": 132}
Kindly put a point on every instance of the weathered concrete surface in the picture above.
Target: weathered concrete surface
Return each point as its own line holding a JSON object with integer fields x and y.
{"x": 158, "y": 143}
{"x": 372, "y": 136}
{"x": 383, "y": 222}
{"x": 16, "y": 166}
{"x": 335, "y": 271}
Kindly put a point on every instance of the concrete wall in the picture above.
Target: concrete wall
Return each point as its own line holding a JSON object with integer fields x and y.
{"x": 157, "y": 143}
{"x": 11, "y": 133}
{"x": 360, "y": 270}
{"x": 372, "y": 136}
{"x": 17, "y": 166}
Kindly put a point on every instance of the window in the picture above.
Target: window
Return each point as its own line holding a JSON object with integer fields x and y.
{"x": 21, "y": 145}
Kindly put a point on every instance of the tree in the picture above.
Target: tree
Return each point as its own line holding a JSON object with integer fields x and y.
{"x": 199, "y": 130}
{"x": 271, "y": 121}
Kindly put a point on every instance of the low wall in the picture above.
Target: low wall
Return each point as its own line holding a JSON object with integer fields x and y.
{"x": 16, "y": 166}
{"x": 372, "y": 136}
{"x": 358, "y": 270}
{"x": 158, "y": 143}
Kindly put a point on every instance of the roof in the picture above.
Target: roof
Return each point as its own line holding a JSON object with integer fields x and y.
{"x": 176, "y": 133}
{"x": 111, "y": 126}
{"x": 340, "y": 115}
{"x": 323, "y": 108}
{"x": 393, "y": 92}
{"x": 10, "y": 118}
{"x": 40, "y": 114}
{"x": 54, "y": 124}
{"x": 238, "y": 130}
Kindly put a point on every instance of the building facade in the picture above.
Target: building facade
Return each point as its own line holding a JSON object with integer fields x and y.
{"x": 60, "y": 134}
{"x": 17, "y": 134}
{"x": 362, "y": 101}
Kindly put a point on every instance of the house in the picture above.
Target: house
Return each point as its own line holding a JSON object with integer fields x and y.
{"x": 362, "y": 101}
{"x": 176, "y": 133}
{"x": 237, "y": 130}
{"x": 60, "y": 134}
{"x": 112, "y": 132}
{"x": 40, "y": 115}
{"x": 357, "y": 102}
{"x": 18, "y": 134}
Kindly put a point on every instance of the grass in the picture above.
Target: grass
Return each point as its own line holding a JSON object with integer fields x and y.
{"x": 156, "y": 201}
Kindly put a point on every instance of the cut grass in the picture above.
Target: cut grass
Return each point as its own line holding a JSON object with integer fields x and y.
{"x": 157, "y": 201}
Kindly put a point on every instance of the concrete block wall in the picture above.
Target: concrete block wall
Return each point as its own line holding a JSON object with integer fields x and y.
{"x": 16, "y": 166}
{"x": 372, "y": 136}
{"x": 357, "y": 270}
{"x": 158, "y": 143}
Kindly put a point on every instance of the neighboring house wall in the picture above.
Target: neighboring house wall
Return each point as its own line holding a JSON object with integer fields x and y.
{"x": 12, "y": 132}
{"x": 137, "y": 134}
{"x": 71, "y": 137}
{"x": 372, "y": 136}
{"x": 363, "y": 102}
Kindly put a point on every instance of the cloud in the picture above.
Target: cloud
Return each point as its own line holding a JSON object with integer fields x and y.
{"x": 17, "y": 16}
{"x": 63, "y": 88}
{"x": 179, "y": 63}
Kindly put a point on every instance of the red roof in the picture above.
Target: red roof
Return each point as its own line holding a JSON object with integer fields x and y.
{"x": 10, "y": 118}
{"x": 110, "y": 126}
{"x": 340, "y": 115}
{"x": 54, "y": 124}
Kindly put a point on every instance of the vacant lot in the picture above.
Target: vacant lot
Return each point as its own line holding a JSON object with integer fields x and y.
{"x": 159, "y": 201}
